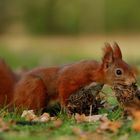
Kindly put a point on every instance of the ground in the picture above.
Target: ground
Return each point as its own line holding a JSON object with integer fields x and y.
{"x": 29, "y": 52}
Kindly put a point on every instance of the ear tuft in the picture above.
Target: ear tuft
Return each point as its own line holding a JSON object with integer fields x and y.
{"x": 117, "y": 51}
{"x": 108, "y": 54}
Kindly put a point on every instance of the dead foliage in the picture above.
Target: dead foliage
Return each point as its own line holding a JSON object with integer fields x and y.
{"x": 29, "y": 115}
{"x": 57, "y": 123}
{"x": 107, "y": 125}
{"x": 4, "y": 126}
{"x": 136, "y": 118}
{"x": 83, "y": 118}
{"x": 84, "y": 135}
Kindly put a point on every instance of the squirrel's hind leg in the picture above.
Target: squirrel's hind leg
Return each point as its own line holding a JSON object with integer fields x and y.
{"x": 30, "y": 93}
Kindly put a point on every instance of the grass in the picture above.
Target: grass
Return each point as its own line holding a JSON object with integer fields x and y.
{"x": 48, "y": 130}
{"x": 54, "y": 52}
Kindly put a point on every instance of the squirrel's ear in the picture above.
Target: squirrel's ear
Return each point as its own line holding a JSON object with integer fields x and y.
{"x": 117, "y": 51}
{"x": 108, "y": 55}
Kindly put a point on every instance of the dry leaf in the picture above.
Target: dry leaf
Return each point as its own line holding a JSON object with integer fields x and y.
{"x": 109, "y": 125}
{"x": 136, "y": 126}
{"x": 3, "y": 125}
{"x": 58, "y": 123}
{"x": 86, "y": 135}
{"x": 29, "y": 115}
{"x": 77, "y": 131}
{"x": 82, "y": 118}
{"x": 136, "y": 115}
{"x": 45, "y": 117}
{"x": 53, "y": 118}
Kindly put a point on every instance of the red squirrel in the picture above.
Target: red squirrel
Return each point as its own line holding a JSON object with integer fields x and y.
{"x": 39, "y": 86}
{"x": 7, "y": 82}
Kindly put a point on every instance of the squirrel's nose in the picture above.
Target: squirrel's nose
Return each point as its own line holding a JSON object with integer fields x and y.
{"x": 134, "y": 82}
{"x": 131, "y": 81}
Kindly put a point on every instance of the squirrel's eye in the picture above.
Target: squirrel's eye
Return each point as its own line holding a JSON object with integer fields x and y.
{"x": 118, "y": 72}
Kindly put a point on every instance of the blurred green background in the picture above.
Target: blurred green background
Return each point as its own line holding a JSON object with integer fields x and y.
{"x": 52, "y": 32}
{"x": 70, "y": 17}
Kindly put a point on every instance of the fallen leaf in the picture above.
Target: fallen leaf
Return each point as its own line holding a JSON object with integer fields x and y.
{"x": 136, "y": 126}
{"x": 58, "y": 123}
{"x": 53, "y": 118}
{"x": 80, "y": 118}
{"x": 3, "y": 125}
{"x": 86, "y": 135}
{"x": 113, "y": 126}
{"x": 83, "y": 118}
{"x": 29, "y": 115}
{"x": 136, "y": 115}
{"x": 45, "y": 117}
{"x": 77, "y": 131}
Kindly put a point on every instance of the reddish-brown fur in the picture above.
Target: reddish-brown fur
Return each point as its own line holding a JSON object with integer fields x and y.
{"x": 7, "y": 82}
{"x": 40, "y": 86}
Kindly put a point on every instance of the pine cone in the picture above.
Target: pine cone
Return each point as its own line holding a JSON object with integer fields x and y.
{"x": 81, "y": 100}
{"x": 128, "y": 96}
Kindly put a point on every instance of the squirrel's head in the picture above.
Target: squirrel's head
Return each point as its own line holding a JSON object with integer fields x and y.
{"x": 116, "y": 71}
